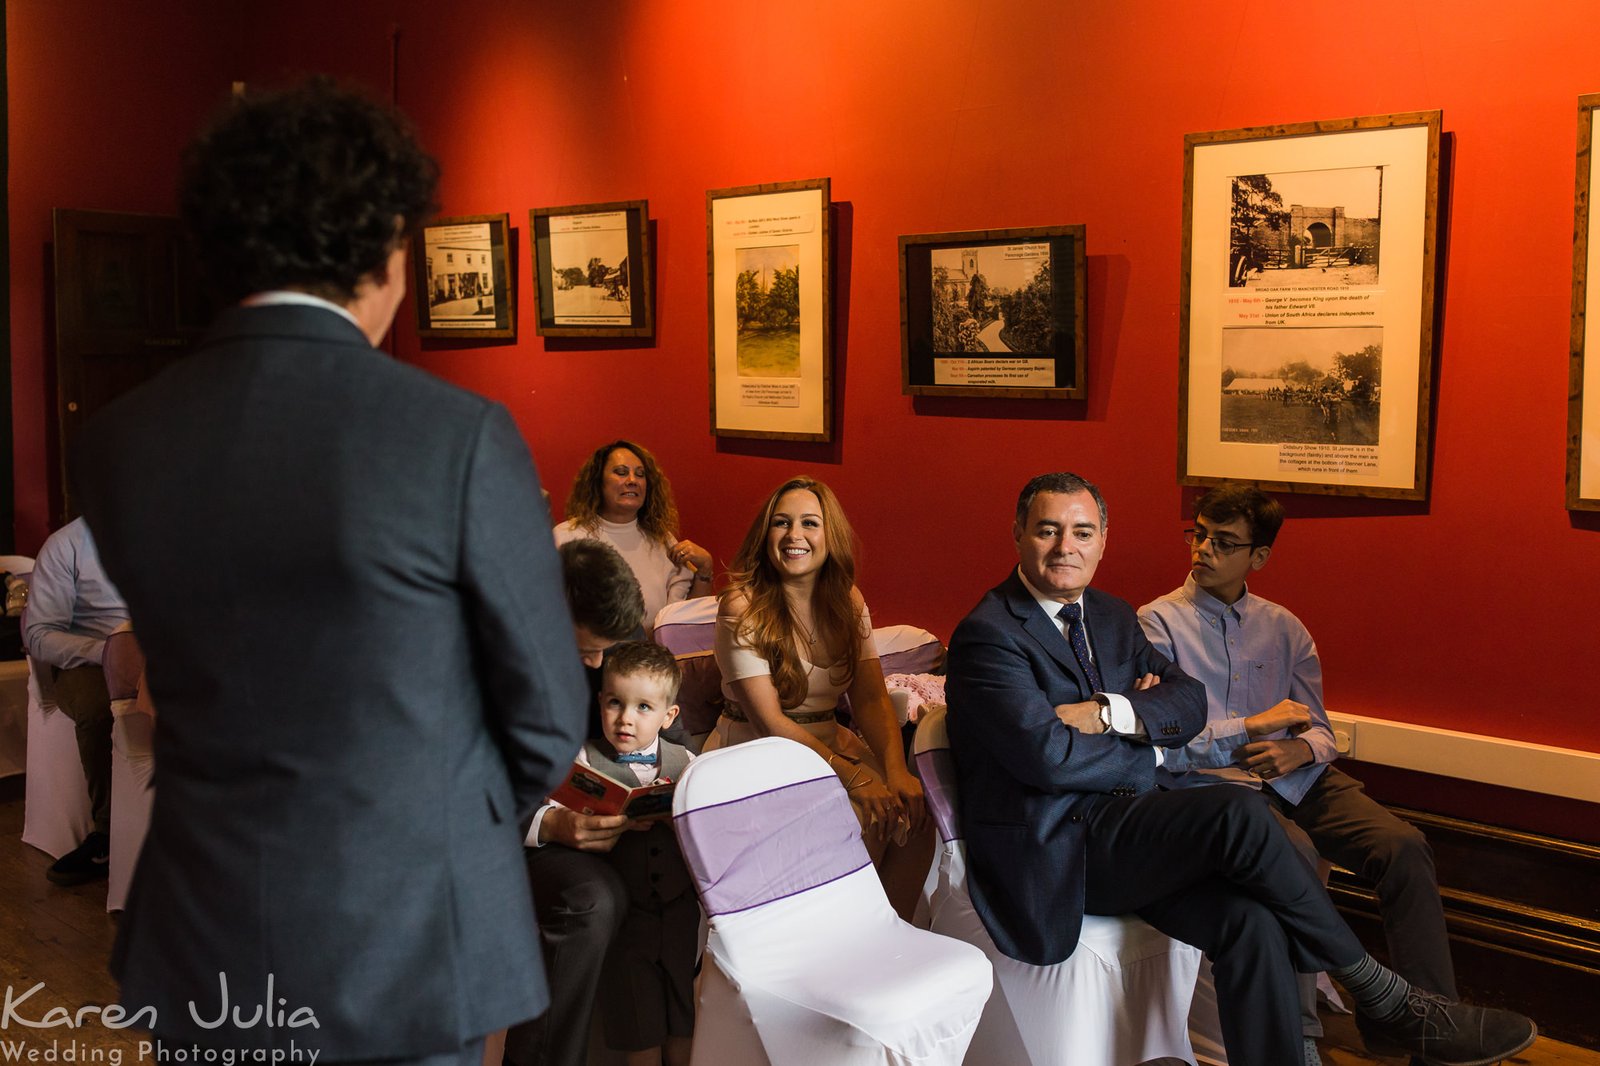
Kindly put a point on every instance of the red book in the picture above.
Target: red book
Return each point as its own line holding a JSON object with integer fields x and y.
{"x": 588, "y": 791}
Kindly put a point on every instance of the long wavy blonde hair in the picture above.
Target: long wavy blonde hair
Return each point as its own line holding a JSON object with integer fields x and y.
{"x": 769, "y": 628}
{"x": 658, "y": 517}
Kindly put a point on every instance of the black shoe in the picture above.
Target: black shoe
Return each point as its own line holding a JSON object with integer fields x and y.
{"x": 1447, "y": 1032}
{"x": 87, "y": 862}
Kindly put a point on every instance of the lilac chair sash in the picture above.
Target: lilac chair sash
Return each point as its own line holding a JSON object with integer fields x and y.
{"x": 771, "y": 845}
{"x": 938, "y": 774}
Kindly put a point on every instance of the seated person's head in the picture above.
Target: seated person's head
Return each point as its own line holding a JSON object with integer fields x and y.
{"x": 603, "y": 596}
{"x": 310, "y": 188}
{"x": 638, "y": 695}
{"x": 1234, "y": 527}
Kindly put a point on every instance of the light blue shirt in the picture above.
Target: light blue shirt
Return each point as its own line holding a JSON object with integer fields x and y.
{"x": 1249, "y": 655}
{"x": 72, "y": 605}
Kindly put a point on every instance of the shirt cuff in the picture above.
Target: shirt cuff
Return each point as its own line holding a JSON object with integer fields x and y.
{"x": 1123, "y": 719}
{"x": 532, "y": 840}
{"x": 1161, "y": 757}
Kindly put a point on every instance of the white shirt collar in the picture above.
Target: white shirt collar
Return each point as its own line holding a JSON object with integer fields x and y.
{"x": 1052, "y": 607}
{"x": 279, "y": 297}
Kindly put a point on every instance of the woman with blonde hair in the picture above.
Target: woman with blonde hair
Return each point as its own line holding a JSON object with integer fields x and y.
{"x": 621, "y": 496}
{"x": 793, "y": 634}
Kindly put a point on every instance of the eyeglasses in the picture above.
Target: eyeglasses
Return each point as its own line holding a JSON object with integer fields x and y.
{"x": 1196, "y": 537}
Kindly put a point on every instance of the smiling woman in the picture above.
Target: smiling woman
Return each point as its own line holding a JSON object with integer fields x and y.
{"x": 793, "y": 635}
{"x": 621, "y": 496}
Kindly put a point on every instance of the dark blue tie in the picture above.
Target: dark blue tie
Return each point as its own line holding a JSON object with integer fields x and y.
{"x": 1072, "y": 617}
{"x": 644, "y": 758}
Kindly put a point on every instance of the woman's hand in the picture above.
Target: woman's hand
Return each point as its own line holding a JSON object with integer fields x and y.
{"x": 880, "y": 812}
{"x": 688, "y": 553}
{"x": 914, "y": 808}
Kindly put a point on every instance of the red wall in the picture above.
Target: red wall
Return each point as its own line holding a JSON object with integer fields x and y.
{"x": 1469, "y": 611}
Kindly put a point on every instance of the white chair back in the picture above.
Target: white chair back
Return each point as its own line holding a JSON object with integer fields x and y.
{"x": 808, "y": 963}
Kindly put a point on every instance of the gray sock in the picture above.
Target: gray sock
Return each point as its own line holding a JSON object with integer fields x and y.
{"x": 1309, "y": 1056}
{"x": 1378, "y": 991}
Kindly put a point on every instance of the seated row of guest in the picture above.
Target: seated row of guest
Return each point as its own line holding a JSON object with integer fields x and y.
{"x": 1049, "y": 718}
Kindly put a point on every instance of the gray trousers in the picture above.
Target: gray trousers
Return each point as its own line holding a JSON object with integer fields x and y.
{"x": 81, "y": 694}
{"x": 1337, "y": 821}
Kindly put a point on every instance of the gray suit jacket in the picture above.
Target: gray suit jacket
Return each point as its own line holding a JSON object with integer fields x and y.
{"x": 1026, "y": 781}
{"x": 358, "y": 645}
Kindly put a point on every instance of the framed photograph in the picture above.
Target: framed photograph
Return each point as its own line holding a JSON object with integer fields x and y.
{"x": 463, "y": 278}
{"x": 1307, "y": 305}
{"x": 591, "y": 266}
{"x": 993, "y": 313}
{"x": 771, "y": 307}
{"x": 1583, "y": 393}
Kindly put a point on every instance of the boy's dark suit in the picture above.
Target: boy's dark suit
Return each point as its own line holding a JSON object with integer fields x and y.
{"x": 1059, "y": 823}
{"x": 340, "y": 570}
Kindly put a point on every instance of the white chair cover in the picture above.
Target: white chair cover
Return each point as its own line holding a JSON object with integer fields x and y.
{"x": 14, "y": 690}
{"x": 55, "y": 812}
{"x": 1121, "y": 998}
{"x": 806, "y": 963}
{"x": 132, "y": 764}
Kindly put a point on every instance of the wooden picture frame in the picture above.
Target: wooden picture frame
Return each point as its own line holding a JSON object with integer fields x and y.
{"x": 994, "y": 313}
{"x": 464, "y": 288}
{"x": 770, "y": 302}
{"x": 1307, "y": 305}
{"x": 591, "y": 269}
{"x": 1583, "y": 392}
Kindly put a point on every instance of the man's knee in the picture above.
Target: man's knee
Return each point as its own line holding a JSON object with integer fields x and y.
{"x": 585, "y": 899}
{"x": 1400, "y": 850}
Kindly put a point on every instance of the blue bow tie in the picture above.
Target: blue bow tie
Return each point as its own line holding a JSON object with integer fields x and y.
{"x": 644, "y": 758}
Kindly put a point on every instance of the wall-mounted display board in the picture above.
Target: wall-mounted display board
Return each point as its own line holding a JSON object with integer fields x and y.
{"x": 993, "y": 313}
{"x": 463, "y": 278}
{"x": 1306, "y": 321}
{"x": 771, "y": 306}
{"x": 591, "y": 268}
{"x": 1583, "y": 393}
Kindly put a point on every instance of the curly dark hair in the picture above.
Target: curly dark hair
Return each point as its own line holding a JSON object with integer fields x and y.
{"x": 301, "y": 187}
{"x": 1263, "y": 514}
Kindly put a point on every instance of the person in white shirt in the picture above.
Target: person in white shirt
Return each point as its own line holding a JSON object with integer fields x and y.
{"x": 621, "y": 496}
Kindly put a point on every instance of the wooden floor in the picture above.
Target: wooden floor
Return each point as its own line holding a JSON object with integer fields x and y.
{"x": 61, "y": 937}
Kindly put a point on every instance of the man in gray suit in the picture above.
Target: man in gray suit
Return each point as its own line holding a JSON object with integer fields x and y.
{"x": 340, "y": 571}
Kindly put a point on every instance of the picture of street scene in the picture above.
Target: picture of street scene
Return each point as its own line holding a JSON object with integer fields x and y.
{"x": 766, "y": 301}
{"x": 460, "y": 272}
{"x": 1301, "y": 386}
{"x": 992, "y": 299}
{"x": 1312, "y": 228}
{"x": 589, "y": 271}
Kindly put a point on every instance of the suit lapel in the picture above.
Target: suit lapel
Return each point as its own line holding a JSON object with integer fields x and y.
{"x": 1043, "y": 629}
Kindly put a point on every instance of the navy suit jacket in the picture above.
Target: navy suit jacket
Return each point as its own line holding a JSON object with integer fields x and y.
{"x": 341, "y": 572}
{"x": 1026, "y": 780}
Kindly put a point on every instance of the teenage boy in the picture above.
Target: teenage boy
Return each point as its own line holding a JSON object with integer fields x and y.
{"x": 1267, "y": 729}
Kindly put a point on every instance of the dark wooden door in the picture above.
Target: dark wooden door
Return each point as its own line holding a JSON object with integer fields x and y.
{"x": 128, "y": 302}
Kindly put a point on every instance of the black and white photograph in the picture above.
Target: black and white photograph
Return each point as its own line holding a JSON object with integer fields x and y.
{"x": 589, "y": 269}
{"x": 1307, "y": 229}
{"x": 992, "y": 298}
{"x": 460, "y": 272}
{"x": 1302, "y": 386}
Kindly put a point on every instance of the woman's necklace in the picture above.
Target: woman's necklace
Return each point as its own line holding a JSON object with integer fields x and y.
{"x": 811, "y": 637}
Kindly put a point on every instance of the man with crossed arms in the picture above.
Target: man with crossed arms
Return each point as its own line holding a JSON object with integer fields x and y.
{"x": 1059, "y": 707}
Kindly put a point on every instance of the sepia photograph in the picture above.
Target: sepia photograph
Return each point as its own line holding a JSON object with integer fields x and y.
{"x": 460, "y": 273}
{"x": 1302, "y": 386}
{"x": 589, "y": 270}
{"x": 992, "y": 298}
{"x": 766, "y": 300}
{"x": 1315, "y": 228}
{"x": 461, "y": 268}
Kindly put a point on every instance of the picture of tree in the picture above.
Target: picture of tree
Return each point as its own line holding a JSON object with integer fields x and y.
{"x": 766, "y": 302}
{"x": 1302, "y": 386}
{"x": 589, "y": 272}
{"x": 992, "y": 298}
{"x": 1314, "y": 228}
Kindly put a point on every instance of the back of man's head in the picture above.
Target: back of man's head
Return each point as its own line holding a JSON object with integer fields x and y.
{"x": 308, "y": 188}
{"x": 601, "y": 590}
{"x": 1263, "y": 514}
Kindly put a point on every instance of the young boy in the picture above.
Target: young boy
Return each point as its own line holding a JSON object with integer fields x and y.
{"x": 647, "y": 983}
